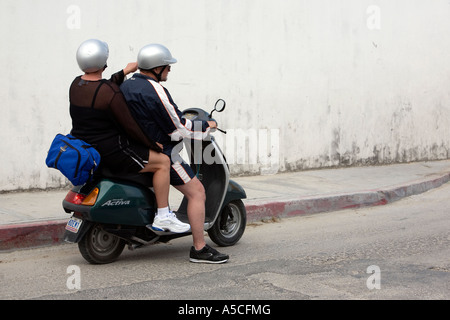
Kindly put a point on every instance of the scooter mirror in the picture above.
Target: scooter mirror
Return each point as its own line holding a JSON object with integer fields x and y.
{"x": 220, "y": 105}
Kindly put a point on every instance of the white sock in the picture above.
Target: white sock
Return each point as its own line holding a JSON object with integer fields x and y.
{"x": 163, "y": 212}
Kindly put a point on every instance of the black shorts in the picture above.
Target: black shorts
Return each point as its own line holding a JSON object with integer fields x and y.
{"x": 127, "y": 157}
{"x": 180, "y": 173}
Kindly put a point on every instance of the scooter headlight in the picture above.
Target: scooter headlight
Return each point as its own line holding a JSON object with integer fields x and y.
{"x": 190, "y": 115}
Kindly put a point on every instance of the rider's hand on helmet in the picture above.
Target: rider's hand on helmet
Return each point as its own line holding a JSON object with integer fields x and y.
{"x": 131, "y": 67}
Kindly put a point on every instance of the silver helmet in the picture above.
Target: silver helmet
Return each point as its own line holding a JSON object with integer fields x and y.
{"x": 154, "y": 55}
{"x": 92, "y": 55}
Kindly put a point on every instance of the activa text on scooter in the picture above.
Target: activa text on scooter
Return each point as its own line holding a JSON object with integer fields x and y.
{"x": 116, "y": 202}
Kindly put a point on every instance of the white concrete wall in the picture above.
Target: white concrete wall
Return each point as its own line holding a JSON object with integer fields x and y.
{"x": 331, "y": 82}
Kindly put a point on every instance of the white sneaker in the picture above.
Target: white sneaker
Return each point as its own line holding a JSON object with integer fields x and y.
{"x": 171, "y": 224}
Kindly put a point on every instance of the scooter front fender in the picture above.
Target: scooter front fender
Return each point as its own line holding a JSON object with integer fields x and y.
{"x": 234, "y": 192}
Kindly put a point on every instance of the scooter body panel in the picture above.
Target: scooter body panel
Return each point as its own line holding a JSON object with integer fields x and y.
{"x": 123, "y": 203}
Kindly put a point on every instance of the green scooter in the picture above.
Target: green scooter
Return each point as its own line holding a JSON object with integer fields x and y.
{"x": 113, "y": 211}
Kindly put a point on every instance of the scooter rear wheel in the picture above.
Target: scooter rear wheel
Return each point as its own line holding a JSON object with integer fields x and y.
{"x": 99, "y": 246}
{"x": 230, "y": 224}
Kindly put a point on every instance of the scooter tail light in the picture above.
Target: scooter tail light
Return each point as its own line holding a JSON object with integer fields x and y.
{"x": 74, "y": 197}
{"x": 91, "y": 198}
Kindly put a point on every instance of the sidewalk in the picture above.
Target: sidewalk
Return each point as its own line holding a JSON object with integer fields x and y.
{"x": 32, "y": 219}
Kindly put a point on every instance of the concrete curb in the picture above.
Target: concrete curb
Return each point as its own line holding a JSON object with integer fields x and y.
{"x": 35, "y": 234}
{"x": 32, "y": 234}
{"x": 259, "y": 210}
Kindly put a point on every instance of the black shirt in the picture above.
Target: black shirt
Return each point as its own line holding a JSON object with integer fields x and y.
{"x": 100, "y": 114}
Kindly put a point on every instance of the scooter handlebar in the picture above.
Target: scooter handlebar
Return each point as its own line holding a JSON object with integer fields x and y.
{"x": 200, "y": 114}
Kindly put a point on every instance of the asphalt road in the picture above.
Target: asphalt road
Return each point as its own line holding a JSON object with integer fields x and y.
{"x": 398, "y": 251}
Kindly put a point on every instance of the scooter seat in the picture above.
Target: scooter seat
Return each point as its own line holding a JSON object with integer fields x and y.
{"x": 145, "y": 179}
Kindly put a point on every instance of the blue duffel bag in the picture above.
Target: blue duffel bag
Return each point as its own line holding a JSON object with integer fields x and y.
{"x": 74, "y": 158}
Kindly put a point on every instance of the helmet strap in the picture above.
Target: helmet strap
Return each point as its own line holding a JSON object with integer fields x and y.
{"x": 158, "y": 75}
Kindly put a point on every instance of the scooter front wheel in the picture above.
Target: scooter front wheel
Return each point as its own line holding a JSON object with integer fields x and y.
{"x": 99, "y": 246}
{"x": 230, "y": 224}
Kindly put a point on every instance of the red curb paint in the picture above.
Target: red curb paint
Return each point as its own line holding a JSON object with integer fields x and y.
{"x": 31, "y": 234}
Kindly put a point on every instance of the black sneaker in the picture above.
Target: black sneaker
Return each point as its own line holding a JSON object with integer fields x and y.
{"x": 207, "y": 255}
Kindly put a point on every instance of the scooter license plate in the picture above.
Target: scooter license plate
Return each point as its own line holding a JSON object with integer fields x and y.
{"x": 74, "y": 224}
